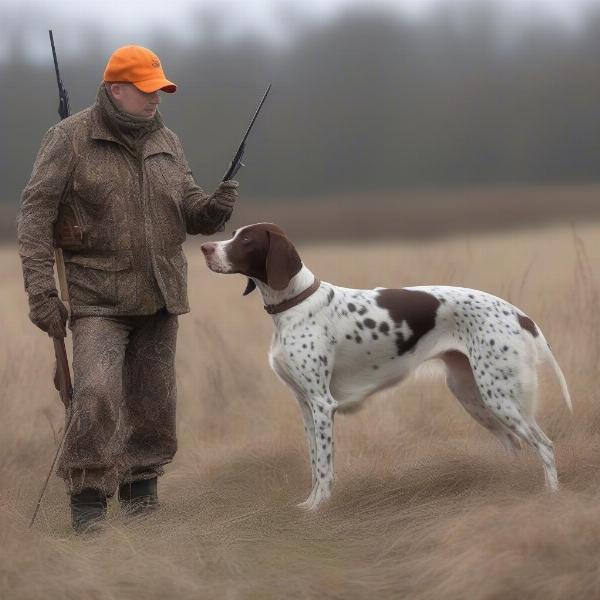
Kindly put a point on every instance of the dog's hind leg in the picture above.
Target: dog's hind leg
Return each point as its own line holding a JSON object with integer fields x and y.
{"x": 509, "y": 390}
{"x": 461, "y": 381}
{"x": 521, "y": 392}
{"x": 545, "y": 450}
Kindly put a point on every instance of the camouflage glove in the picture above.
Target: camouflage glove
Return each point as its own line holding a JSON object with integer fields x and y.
{"x": 221, "y": 204}
{"x": 225, "y": 196}
{"x": 49, "y": 313}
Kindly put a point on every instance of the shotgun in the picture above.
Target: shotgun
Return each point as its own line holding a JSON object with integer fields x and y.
{"x": 62, "y": 374}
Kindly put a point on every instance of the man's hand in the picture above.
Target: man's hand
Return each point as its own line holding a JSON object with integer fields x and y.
{"x": 217, "y": 208}
{"x": 49, "y": 313}
{"x": 226, "y": 194}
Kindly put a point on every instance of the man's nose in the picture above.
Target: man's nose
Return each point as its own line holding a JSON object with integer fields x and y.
{"x": 209, "y": 248}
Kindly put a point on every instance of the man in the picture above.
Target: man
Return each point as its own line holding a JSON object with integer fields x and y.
{"x": 112, "y": 187}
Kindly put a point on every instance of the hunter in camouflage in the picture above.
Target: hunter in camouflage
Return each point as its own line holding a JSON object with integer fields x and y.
{"x": 122, "y": 176}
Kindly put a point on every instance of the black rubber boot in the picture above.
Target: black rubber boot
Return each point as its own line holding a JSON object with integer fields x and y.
{"x": 88, "y": 510}
{"x": 139, "y": 497}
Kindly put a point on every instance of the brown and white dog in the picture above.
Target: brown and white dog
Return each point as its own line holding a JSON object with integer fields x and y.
{"x": 336, "y": 346}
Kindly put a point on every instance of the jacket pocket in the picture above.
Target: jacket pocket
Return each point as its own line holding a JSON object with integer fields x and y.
{"x": 180, "y": 267}
{"x": 99, "y": 280}
{"x": 70, "y": 232}
{"x": 93, "y": 186}
{"x": 173, "y": 269}
{"x": 170, "y": 170}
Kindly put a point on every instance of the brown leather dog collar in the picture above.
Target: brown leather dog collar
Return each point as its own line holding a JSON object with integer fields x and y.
{"x": 273, "y": 309}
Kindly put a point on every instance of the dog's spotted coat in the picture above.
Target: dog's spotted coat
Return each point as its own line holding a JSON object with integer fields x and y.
{"x": 340, "y": 345}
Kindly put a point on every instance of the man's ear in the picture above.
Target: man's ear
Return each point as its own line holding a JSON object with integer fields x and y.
{"x": 283, "y": 261}
{"x": 250, "y": 287}
{"x": 114, "y": 89}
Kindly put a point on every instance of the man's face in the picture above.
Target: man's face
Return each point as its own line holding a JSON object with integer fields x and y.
{"x": 133, "y": 101}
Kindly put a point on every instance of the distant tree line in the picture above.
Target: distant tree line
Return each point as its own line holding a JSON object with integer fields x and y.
{"x": 365, "y": 102}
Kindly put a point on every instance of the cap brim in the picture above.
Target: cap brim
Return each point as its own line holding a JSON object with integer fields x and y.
{"x": 152, "y": 85}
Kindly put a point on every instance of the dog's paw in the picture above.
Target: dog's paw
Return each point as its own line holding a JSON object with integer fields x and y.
{"x": 312, "y": 503}
{"x": 307, "y": 506}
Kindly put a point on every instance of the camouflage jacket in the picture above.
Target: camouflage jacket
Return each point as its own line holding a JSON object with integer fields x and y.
{"x": 134, "y": 203}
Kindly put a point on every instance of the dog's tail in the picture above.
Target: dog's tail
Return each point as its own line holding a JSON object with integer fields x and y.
{"x": 546, "y": 352}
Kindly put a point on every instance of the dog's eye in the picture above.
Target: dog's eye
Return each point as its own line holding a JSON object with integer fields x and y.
{"x": 245, "y": 239}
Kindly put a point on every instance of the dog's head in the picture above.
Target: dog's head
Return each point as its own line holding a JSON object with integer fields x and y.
{"x": 261, "y": 251}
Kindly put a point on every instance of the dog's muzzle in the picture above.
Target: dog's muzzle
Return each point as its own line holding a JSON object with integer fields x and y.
{"x": 215, "y": 257}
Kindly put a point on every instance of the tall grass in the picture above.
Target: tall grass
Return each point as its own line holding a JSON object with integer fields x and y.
{"x": 426, "y": 503}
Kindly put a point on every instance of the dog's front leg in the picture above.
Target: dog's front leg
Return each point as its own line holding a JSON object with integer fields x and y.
{"x": 322, "y": 411}
{"x": 309, "y": 430}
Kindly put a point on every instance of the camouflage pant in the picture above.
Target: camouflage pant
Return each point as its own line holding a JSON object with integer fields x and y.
{"x": 124, "y": 401}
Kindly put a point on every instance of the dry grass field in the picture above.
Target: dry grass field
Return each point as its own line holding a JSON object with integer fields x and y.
{"x": 426, "y": 503}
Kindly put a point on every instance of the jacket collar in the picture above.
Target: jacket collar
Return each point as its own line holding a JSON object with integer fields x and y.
{"x": 99, "y": 129}
{"x": 156, "y": 142}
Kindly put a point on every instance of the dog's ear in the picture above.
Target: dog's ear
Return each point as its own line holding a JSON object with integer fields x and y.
{"x": 250, "y": 287}
{"x": 283, "y": 261}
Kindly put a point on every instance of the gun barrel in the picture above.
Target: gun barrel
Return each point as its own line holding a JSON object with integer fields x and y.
{"x": 58, "y": 81}
{"x": 64, "y": 110}
{"x": 236, "y": 163}
{"x": 256, "y": 114}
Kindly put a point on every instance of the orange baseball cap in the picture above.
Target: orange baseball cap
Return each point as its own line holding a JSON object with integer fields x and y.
{"x": 140, "y": 66}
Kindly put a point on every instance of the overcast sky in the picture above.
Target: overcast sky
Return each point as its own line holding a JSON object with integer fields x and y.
{"x": 131, "y": 21}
